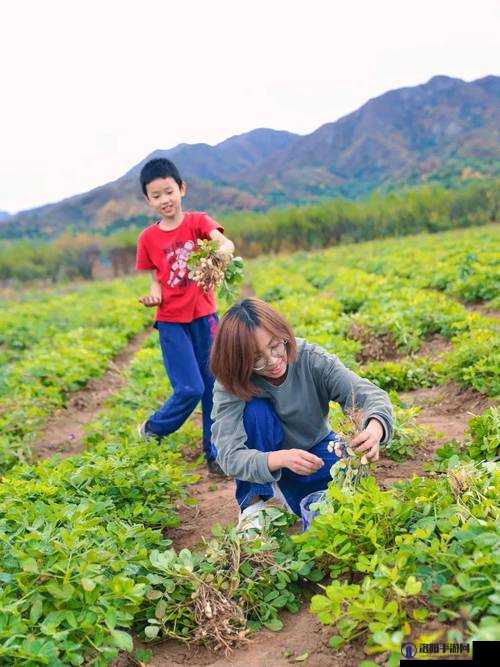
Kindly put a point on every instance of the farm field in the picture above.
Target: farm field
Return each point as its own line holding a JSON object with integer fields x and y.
{"x": 109, "y": 542}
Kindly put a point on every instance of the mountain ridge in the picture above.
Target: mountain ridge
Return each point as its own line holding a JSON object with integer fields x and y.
{"x": 402, "y": 135}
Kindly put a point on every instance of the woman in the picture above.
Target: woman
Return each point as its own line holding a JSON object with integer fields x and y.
{"x": 270, "y": 414}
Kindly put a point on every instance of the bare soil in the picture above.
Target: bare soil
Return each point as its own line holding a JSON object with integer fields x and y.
{"x": 64, "y": 431}
{"x": 434, "y": 346}
{"x": 383, "y": 347}
{"x": 375, "y": 347}
{"x": 302, "y": 634}
{"x": 215, "y": 504}
{"x": 484, "y": 309}
{"x": 445, "y": 411}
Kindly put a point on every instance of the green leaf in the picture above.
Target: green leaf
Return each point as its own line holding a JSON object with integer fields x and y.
{"x": 111, "y": 618}
{"x": 412, "y": 586}
{"x": 143, "y": 655}
{"x": 169, "y": 585}
{"x": 274, "y": 624}
{"x": 29, "y": 565}
{"x": 254, "y": 626}
{"x": 36, "y": 609}
{"x": 336, "y": 641}
{"x": 420, "y": 614}
{"x": 151, "y": 631}
{"x": 122, "y": 640}
{"x": 316, "y": 575}
{"x": 464, "y": 580}
{"x": 246, "y": 569}
{"x": 87, "y": 584}
{"x": 271, "y": 595}
{"x": 71, "y": 619}
{"x": 63, "y": 592}
{"x": 394, "y": 660}
{"x": 449, "y": 591}
{"x": 280, "y": 601}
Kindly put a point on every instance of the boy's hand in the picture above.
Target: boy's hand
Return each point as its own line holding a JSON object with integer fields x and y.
{"x": 153, "y": 298}
{"x": 224, "y": 256}
{"x": 150, "y": 301}
{"x": 368, "y": 441}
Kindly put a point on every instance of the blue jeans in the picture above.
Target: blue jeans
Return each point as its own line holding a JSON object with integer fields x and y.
{"x": 186, "y": 353}
{"x": 265, "y": 433}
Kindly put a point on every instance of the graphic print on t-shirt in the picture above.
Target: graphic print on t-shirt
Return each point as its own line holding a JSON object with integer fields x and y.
{"x": 176, "y": 257}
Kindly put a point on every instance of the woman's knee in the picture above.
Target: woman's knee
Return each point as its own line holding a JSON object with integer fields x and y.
{"x": 256, "y": 411}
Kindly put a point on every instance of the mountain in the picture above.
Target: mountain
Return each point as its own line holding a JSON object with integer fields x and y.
{"x": 4, "y": 215}
{"x": 443, "y": 128}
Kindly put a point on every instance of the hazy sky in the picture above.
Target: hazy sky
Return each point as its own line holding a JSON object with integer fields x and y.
{"x": 90, "y": 88}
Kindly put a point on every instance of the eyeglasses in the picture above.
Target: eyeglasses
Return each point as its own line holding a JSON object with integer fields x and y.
{"x": 276, "y": 351}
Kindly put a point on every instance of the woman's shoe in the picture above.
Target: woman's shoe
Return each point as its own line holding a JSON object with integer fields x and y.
{"x": 251, "y": 519}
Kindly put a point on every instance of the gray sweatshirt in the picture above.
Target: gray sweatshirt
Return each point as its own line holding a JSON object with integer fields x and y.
{"x": 301, "y": 404}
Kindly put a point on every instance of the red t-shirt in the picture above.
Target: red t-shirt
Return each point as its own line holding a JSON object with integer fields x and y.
{"x": 168, "y": 252}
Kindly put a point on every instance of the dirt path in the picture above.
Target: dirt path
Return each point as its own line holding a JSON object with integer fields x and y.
{"x": 216, "y": 504}
{"x": 302, "y": 634}
{"x": 64, "y": 431}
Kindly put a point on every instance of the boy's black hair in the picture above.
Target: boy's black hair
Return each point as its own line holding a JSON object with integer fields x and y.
{"x": 158, "y": 168}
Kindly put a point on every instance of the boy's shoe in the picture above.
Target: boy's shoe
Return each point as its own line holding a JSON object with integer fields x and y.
{"x": 215, "y": 469}
{"x": 251, "y": 519}
{"x": 144, "y": 435}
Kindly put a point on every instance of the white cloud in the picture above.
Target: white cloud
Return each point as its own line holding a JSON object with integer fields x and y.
{"x": 90, "y": 88}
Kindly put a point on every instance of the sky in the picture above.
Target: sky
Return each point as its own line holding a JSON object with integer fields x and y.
{"x": 90, "y": 88}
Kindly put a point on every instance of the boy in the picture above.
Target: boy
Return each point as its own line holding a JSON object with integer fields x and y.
{"x": 186, "y": 316}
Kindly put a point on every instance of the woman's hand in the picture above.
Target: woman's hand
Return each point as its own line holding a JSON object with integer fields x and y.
{"x": 368, "y": 441}
{"x": 299, "y": 461}
{"x": 154, "y": 296}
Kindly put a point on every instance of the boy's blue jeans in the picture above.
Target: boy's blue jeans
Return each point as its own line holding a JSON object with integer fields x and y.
{"x": 186, "y": 353}
{"x": 265, "y": 433}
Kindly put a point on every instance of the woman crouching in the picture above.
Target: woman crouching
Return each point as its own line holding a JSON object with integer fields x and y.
{"x": 270, "y": 411}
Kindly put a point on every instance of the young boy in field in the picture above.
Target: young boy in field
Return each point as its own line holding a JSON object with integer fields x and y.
{"x": 186, "y": 316}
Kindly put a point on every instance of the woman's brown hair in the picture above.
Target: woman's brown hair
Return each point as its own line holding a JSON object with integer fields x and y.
{"x": 234, "y": 349}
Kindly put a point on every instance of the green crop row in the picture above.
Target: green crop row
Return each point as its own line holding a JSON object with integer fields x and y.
{"x": 473, "y": 361}
{"x": 76, "y": 535}
{"x": 71, "y": 340}
{"x": 84, "y": 558}
{"x": 376, "y": 323}
{"x": 34, "y": 318}
{"x": 75, "y": 538}
{"x": 465, "y": 264}
{"x": 424, "y": 550}
{"x": 34, "y": 387}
